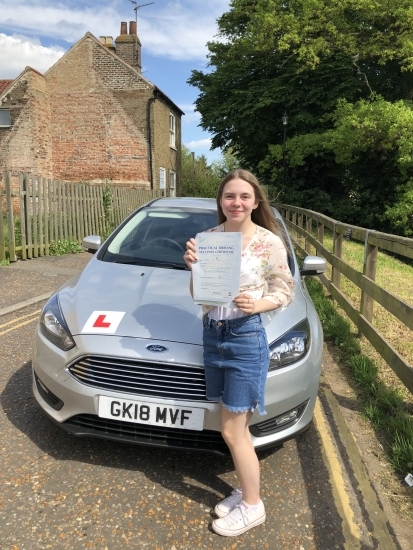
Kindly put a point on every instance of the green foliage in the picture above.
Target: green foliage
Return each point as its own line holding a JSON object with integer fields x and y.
{"x": 64, "y": 246}
{"x": 5, "y": 262}
{"x": 107, "y": 197}
{"x": 400, "y": 213}
{"x": 225, "y": 164}
{"x": 17, "y": 231}
{"x": 313, "y": 29}
{"x": 201, "y": 179}
{"x": 343, "y": 71}
{"x": 383, "y": 405}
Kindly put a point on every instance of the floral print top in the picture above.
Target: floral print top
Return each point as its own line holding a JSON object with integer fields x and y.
{"x": 264, "y": 269}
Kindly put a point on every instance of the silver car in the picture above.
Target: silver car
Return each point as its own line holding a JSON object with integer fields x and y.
{"x": 118, "y": 349}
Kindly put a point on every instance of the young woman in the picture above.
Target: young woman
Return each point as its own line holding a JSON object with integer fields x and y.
{"x": 236, "y": 356}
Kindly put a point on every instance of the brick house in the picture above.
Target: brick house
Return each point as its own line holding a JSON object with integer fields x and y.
{"x": 92, "y": 116}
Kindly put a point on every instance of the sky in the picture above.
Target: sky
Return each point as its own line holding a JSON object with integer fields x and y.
{"x": 173, "y": 34}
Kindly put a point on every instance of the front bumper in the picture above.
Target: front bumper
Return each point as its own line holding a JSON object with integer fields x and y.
{"x": 293, "y": 387}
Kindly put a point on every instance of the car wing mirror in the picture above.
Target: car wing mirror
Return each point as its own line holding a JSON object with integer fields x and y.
{"x": 92, "y": 243}
{"x": 313, "y": 265}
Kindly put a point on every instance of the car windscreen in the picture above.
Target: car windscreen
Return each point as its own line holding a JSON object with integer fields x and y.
{"x": 158, "y": 236}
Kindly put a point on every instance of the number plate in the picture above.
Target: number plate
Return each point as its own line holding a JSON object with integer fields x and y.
{"x": 155, "y": 414}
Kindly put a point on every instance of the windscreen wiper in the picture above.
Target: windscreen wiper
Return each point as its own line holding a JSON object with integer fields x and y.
{"x": 166, "y": 265}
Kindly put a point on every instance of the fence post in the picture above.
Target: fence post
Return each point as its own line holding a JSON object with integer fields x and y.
{"x": 369, "y": 270}
{"x": 337, "y": 249}
{"x": 300, "y": 224}
{"x": 28, "y": 219}
{"x": 40, "y": 210}
{"x": 294, "y": 220}
{"x": 60, "y": 209}
{"x": 2, "y": 236}
{"x": 72, "y": 213}
{"x": 10, "y": 218}
{"x": 35, "y": 221}
{"x": 23, "y": 215}
{"x": 55, "y": 210}
{"x": 320, "y": 232}
{"x": 46, "y": 216}
{"x": 309, "y": 224}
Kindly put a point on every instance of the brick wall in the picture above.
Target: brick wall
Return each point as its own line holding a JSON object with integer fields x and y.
{"x": 94, "y": 138}
{"x": 163, "y": 155}
{"x": 26, "y": 146}
{"x": 86, "y": 119}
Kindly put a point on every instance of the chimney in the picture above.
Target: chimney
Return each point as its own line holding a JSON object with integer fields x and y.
{"x": 108, "y": 42}
{"x": 128, "y": 46}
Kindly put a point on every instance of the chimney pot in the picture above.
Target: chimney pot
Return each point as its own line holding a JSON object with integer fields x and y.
{"x": 123, "y": 28}
{"x": 102, "y": 39}
{"x": 132, "y": 27}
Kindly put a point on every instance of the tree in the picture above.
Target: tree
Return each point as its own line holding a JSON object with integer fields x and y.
{"x": 201, "y": 179}
{"x": 225, "y": 164}
{"x": 198, "y": 178}
{"x": 343, "y": 71}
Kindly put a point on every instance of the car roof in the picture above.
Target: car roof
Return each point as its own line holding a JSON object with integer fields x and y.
{"x": 185, "y": 202}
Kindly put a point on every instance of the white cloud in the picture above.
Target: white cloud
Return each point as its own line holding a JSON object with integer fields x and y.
{"x": 16, "y": 52}
{"x": 200, "y": 143}
{"x": 177, "y": 30}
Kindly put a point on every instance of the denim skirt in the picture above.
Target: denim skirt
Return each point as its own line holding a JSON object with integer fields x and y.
{"x": 236, "y": 359}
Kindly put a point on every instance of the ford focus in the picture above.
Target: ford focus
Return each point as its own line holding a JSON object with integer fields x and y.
{"x": 118, "y": 349}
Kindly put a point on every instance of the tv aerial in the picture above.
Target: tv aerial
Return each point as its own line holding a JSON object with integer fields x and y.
{"x": 138, "y": 7}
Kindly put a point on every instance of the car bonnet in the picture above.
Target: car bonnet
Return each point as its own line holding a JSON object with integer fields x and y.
{"x": 135, "y": 301}
{"x": 147, "y": 303}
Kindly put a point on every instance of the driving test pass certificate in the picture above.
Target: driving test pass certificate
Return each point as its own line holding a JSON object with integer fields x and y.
{"x": 216, "y": 274}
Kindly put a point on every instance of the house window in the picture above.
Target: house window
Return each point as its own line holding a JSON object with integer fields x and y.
{"x": 172, "y": 183}
{"x": 5, "y": 120}
{"x": 162, "y": 178}
{"x": 171, "y": 130}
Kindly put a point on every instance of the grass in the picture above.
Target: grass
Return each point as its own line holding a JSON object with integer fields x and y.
{"x": 56, "y": 248}
{"x": 64, "y": 246}
{"x": 388, "y": 406}
{"x": 392, "y": 274}
{"x": 386, "y": 402}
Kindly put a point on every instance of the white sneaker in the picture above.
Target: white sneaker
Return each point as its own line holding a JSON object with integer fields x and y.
{"x": 225, "y": 506}
{"x": 239, "y": 520}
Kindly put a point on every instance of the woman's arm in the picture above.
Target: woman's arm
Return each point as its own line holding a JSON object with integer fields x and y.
{"x": 246, "y": 303}
{"x": 279, "y": 282}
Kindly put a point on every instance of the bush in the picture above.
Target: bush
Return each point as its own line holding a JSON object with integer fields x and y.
{"x": 64, "y": 246}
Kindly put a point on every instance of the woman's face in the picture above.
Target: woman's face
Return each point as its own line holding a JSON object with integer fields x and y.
{"x": 238, "y": 200}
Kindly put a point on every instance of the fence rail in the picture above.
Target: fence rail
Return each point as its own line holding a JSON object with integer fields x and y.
{"x": 302, "y": 222}
{"x": 36, "y": 211}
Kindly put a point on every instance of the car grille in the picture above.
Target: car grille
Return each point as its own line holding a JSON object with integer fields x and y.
{"x": 143, "y": 434}
{"x": 165, "y": 380}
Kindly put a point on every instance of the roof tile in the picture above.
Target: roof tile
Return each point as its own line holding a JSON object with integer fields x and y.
{"x": 4, "y": 84}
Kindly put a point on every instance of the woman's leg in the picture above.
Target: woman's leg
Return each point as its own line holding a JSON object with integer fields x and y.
{"x": 237, "y": 436}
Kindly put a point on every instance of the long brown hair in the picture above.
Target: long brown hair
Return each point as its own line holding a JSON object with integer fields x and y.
{"x": 262, "y": 215}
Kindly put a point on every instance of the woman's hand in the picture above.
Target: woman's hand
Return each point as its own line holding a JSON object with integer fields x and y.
{"x": 245, "y": 303}
{"x": 190, "y": 254}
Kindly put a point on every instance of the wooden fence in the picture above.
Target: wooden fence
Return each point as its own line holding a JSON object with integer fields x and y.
{"x": 303, "y": 222}
{"x": 40, "y": 211}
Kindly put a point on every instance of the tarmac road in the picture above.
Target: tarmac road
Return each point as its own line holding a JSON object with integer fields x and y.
{"x": 63, "y": 492}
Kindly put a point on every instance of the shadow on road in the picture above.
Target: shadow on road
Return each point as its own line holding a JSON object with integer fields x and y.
{"x": 296, "y": 483}
{"x": 190, "y": 474}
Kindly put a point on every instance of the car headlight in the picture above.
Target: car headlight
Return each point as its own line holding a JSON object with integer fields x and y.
{"x": 291, "y": 347}
{"x": 54, "y": 327}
